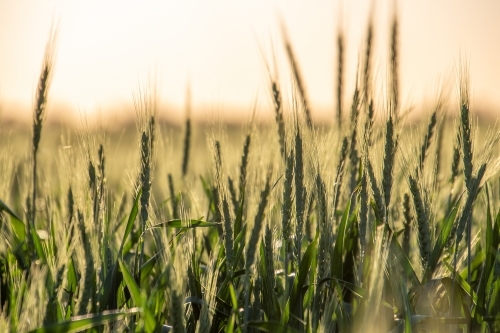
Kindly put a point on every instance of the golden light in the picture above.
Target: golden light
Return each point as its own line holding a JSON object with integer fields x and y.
{"x": 106, "y": 49}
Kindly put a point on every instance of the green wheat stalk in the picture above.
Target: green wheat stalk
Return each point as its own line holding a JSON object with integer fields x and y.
{"x": 187, "y": 136}
{"x": 340, "y": 75}
{"x": 38, "y": 117}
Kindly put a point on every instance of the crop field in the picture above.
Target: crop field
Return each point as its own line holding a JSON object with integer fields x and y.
{"x": 374, "y": 223}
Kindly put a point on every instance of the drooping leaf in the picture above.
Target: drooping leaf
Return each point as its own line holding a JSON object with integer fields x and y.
{"x": 300, "y": 279}
{"x": 130, "y": 222}
{"x": 461, "y": 281}
{"x": 358, "y": 291}
{"x": 338, "y": 250}
{"x": 403, "y": 260}
{"x": 17, "y": 224}
{"x": 440, "y": 244}
{"x": 475, "y": 265}
{"x": 272, "y": 327}
{"x": 38, "y": 246}
{"x": 130, "y": 282}
{"x": 81, "y": 323}
{"x": 178, "y": 223}
{"x": 493, "y": 309}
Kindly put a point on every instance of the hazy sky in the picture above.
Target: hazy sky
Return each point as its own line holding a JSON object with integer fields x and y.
{"x": 107, "y": 49}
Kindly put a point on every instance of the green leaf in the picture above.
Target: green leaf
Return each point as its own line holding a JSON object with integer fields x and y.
{"x": 130, "y": 282}
{"x": 232, "y": 294}
{"x": 475, "y": 264}
{"x": 494, "y": 304}
{"x": 71, "y": 288}
{"x": 148, "y": 266}
{"x": 358, "y": 291}
{"x": 72, "y": 277}
{"x": 179, "y": 223}
{"x": 4, "y": 207}
{"x": 406, "y": 325}
{"x": 269, "y": 300}
{"x": 109, "y": 287}
{"x": 81, "y": 323}
{"x": 157, "y": 293}
{"x": 408, "y": 328}
{"x": 453, "y": 288}
{"x": 461, "y": 281}
{"x": 440, "y": 320}
{"x": 404, "y": 261}
{"x": 493, "y": 285}
{"x": 440, "y": 244}
{"x": 229, "y": 328}
{"x": 488, "y": 264}
{"x": 338, "y": 250}
{"x": 267, "y": 326}
{"x": 239, "y": 217}
{"x": 300, "y": 279}
{"x": 130, "y": 223}
{"x": 38, "y": 246}
{"x": 239, "y": 245}
{"x": 147, "y": 318}
{"x": 110, "y": 282}
{"x": 17, "y": 224}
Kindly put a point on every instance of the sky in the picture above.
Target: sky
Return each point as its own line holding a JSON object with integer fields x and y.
{"x": 108, "y": 50}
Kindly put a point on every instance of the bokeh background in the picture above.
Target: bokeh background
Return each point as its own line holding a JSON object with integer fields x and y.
{"x": 106, "y": 50}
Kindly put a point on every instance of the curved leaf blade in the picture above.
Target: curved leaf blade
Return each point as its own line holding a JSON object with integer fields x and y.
{"x": 80, "y": 323}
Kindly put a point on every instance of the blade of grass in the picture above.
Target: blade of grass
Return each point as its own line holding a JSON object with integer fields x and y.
{"x": 461, "y": 281}
{"x": 130, "y": 282}
{"x": 338, "y": 250}
{"x": 38, "y": 246}
{"x": 267, "y": 326}
{"x": 17, "y": 224}
{"x": 440, "y": 244}
{"x": 110, "y": 282}
{"x": 491, "y": 252}
{"x": 131, "y": 219}
{"x": 81, "y": 323}
{"x": 358, "y": 291}
{"x": 179, "y": 223}
{"x": 403, "y": 260}
{"x": 300, "y": 279}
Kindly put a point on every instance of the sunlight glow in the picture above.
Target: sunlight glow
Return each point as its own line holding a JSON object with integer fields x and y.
{"x": 107, "y": 48}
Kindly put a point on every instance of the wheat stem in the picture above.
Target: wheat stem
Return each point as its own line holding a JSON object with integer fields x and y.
{"x": 423, "y": 223}
{"x": 300, "y": 193}
{"x": 389, "y": 157}
{"x": 298, "y": 79}
{"x": 340, "y": 76}
{"x": 394, "y": 68}
{"x": 38, "y": 117}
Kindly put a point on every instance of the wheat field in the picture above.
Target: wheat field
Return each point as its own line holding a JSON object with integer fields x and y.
{"x": 373, "y": 224}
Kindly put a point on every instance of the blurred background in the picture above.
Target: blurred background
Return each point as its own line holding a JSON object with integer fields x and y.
{"x": 108, "y": 50}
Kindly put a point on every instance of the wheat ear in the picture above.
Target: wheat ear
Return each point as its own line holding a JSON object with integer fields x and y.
{"x": 340, "y": 75}
{"x": 298, "y": 78}
{"x": 423, "y": 223}
{"x": 227, "y": 225}
{"x": 427, "y": 141}
{"x": 187, "y": 136}
{"x": 389, "y": 157}
{"x": 340, "y": 172}
{"x": 367, "y": 63}
{"x": 394, "y": 67}
{"x": 300, "y": 193}
{"x": 254, "y": 241}
{"x": 38, "y": 116}
{"x": 278, "y": 116}
{"x": 286, "y": 214}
